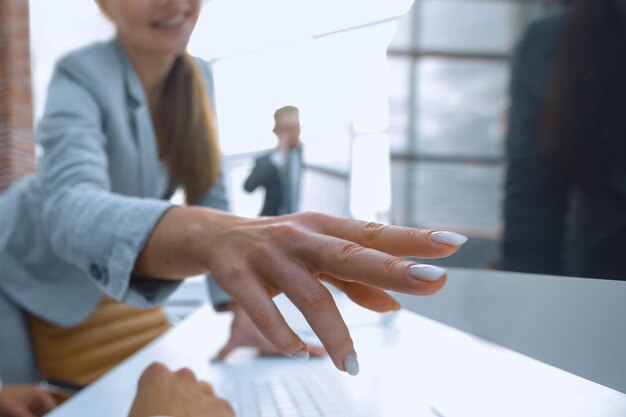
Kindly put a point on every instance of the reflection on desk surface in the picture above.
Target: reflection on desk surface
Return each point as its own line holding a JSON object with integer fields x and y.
{"x": 574, "y": 324}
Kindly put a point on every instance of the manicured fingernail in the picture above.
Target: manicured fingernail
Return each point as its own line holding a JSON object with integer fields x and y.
{"x": 302, "y": 356}
{"x": 426, "y": 272}
{"x": 351, "y": 364}
{"x": 448, "y": 238}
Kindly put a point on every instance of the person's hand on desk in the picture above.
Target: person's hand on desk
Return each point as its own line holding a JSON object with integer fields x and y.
{"x": 244, "y": 333}
{"x": 25, "y": 401}
{"x": 254, "y": 260}
{"x": 176, "y": 394}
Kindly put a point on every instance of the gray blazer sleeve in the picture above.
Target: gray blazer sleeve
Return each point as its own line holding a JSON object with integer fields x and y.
{"x": 88, "y": 226}
{"x": 535, "y": 203}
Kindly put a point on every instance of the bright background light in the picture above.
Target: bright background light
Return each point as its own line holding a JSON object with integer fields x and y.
{"x": 370, "y": 185}
{"x": 326, "y": 57}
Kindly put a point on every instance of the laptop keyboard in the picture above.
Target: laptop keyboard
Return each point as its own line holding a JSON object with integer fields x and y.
{"x": 288, "y": 396}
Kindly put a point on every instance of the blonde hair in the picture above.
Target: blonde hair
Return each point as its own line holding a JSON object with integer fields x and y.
{"x": 285, "y": 110}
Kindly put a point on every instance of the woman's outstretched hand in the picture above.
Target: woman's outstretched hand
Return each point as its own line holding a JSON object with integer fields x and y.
{"x": 253, "y": 260}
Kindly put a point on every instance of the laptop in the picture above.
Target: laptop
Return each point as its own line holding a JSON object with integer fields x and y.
{"x": 283, "y": 387}
{"x": 410, "y": 367}
{"x": 277, "y": 388}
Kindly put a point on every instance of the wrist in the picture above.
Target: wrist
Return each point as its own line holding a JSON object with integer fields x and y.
{"x": 206, "y": 233}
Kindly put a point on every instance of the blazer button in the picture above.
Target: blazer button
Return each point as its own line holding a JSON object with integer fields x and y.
{"x": 95, "y": 271}
{"x": 105, "y": 276}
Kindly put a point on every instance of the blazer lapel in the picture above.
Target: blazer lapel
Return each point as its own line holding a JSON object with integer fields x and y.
{"x": 143, "y": 129}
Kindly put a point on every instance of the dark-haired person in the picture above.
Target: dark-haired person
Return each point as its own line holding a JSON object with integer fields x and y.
{"x": 92, "y": 231}
{"x": 279, "y": 171}
{"x": 565, "y": 208}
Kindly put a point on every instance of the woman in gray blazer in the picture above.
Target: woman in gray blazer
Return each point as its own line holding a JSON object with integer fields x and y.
{"x": 125, "y": 122}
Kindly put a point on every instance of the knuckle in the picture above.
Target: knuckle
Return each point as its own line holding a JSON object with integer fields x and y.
{"x": 418, "y": 234}
{"x": 186, "y": 374}
{"x": 372, "y": 231}
{"x": 316, "y": 220}
{"x": 282, "y": 231}
{"x": 235, "y": 277}
{"x": 391, "y": 264}
{"x": 262, "y": 251}
{"x": 156, "y": 368}
{"x": 208, "y": 388}
{"x": 317, "y": 298}
{"x": 277, "y": 237}
{"x": 312, "y": 216}
{"x": 152, "y": 374}
{"x": 237, "y": 271}
{"x": 264, "y": 320}
{"x": 346, "y": 251}
{"x": 154, "y": 371}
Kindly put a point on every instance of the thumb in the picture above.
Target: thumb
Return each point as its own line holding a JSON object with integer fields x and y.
{"x": 226, "y": 350}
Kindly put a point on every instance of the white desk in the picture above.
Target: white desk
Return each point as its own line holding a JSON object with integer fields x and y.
{"x": 407, "y": 363}
{"x": 575, "y": 324}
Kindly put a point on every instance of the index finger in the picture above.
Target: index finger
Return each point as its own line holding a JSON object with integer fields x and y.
{"x": 317, "y": 306}
{"x": 395, "y": 240}
{"x": 351, "y": 262}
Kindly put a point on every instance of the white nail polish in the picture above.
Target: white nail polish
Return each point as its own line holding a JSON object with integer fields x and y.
{"x": 448, "y": 238}
{"x": 351, "y": 364}
{"x": 426, "y": 272}
{"x": 302, "y": 356}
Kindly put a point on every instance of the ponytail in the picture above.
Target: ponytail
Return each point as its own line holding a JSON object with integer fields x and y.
{"x": 187, "y": 133}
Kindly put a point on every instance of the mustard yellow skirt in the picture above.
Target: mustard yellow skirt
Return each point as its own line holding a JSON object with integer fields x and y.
{"x": 79, "y": 355}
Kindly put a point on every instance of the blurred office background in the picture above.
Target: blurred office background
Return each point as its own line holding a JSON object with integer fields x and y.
{"x": 431, "y": 86}
{"x": 421, "y": 100}
{"x": 440, "y": 99}
{"x": 449, "y": 71}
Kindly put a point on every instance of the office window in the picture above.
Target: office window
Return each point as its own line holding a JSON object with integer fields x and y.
{"x": 479, "y": 26}
{"x": 399, "y": 100}
{"x": 449, "y": 70}
{"x": 457, "y": 196}
{"x": 337, "y": 81}
{"x": 460, "y": 107}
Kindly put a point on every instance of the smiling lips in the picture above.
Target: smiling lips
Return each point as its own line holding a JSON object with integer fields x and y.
{"x": 173, "y": 22}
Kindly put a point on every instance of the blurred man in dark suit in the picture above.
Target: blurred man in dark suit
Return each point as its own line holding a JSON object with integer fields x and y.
{"x": 279, "y": 170}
